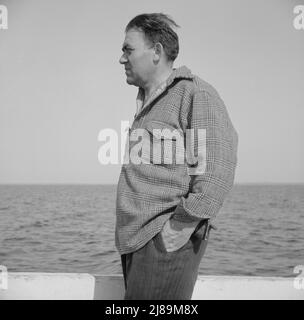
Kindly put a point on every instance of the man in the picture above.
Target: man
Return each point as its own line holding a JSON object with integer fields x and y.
{"x": 164, "y": 211}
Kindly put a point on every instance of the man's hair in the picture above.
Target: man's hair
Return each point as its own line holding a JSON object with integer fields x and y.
{"x": 157, "y": 27}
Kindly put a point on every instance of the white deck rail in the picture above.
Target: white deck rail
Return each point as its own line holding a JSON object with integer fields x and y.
{"x": 83, "y": 286}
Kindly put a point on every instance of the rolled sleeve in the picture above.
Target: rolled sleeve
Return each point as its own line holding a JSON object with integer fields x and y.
{"x": 212, "y": 182}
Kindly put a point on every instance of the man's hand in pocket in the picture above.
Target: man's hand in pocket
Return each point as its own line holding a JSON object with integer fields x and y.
{"x": 175, "y": 234}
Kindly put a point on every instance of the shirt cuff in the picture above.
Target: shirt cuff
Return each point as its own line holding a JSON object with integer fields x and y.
{"x": 181, "y": 215}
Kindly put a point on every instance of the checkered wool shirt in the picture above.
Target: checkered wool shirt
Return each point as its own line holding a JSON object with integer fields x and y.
{"x": 149, "y": 194}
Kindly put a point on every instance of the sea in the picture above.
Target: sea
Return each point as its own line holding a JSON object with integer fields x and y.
{"x": 70, "y": 228}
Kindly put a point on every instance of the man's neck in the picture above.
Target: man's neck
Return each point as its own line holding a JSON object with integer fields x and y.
{"x": 159, "y": 78}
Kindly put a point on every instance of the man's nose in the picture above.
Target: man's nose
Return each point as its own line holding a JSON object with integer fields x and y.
{"x": 123, "y": 59}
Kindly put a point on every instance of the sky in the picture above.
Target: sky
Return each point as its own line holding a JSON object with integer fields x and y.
{"x": 61, "y": 83}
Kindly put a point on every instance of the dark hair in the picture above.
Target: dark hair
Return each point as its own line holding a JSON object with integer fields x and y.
{"x": 157, "y": 27}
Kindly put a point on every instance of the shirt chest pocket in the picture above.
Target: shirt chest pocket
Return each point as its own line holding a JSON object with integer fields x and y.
{"x": 162, "y": 144}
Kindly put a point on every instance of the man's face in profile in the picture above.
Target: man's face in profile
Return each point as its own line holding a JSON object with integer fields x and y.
{"x": 137, "y": 58}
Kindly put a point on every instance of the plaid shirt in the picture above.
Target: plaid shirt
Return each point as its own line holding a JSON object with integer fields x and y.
{"x": 149, "y": 194}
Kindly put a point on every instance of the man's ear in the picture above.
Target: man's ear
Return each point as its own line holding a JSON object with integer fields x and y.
{"x": 158, "y": 50}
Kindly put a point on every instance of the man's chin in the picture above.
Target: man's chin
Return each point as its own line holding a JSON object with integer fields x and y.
{"x": 130, "y": 81}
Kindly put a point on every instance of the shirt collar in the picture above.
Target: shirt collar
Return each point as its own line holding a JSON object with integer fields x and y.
{"x": 179, "y": 73}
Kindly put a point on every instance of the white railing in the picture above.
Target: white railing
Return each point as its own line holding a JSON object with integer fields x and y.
{"x": 83, "y": 286}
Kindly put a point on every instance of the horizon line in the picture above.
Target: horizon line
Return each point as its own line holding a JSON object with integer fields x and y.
{"x": 93, "y": 183}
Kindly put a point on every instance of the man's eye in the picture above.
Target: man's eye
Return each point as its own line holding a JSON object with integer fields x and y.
{"x": 128, "y": 50}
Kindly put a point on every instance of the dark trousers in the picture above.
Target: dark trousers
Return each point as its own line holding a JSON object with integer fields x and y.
{"x": 152, "y": 273}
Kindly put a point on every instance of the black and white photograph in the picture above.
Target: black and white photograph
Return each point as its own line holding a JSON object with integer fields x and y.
{"x": 151, "y": 150}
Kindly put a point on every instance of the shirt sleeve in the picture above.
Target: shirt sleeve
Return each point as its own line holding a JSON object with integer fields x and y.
{"x": 215, "y": 148}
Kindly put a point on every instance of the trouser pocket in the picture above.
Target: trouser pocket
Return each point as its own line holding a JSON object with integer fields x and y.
{"x": 200, "y": 233}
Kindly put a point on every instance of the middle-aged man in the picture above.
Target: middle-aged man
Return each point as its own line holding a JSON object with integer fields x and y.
{"x": 164, "y": 209}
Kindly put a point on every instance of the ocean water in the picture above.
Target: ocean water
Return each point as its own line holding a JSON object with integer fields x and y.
{"x": 70, "y": 228}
